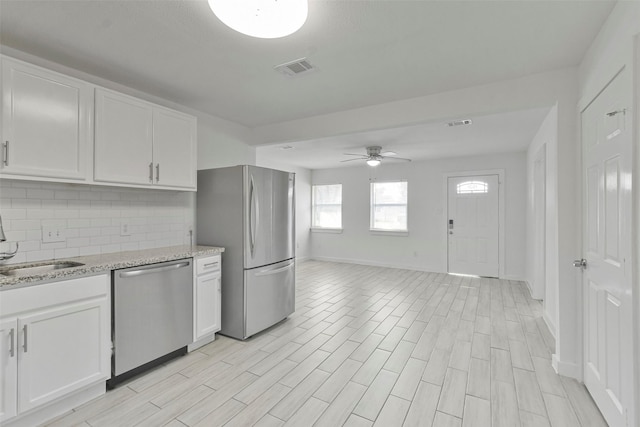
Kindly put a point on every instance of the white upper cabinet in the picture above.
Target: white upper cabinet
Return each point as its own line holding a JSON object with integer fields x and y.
{"x": 45, "y": 123}
{"x": 61, "y": 129}
{"x": 140, "y": 143}
{"x": 123, "y": 139}
{"x": 174, "y": 148}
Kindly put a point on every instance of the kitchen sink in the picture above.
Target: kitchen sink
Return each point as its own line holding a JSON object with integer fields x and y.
{"x": 42, "y": 268}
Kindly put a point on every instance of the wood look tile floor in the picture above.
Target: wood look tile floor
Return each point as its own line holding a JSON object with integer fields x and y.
{"x": 367, "y": 346}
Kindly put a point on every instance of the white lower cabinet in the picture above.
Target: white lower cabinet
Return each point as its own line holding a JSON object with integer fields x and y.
{"x": 8, "y": 368}
{"x": 207, "y": 289}
{"x": 55, "y": 341}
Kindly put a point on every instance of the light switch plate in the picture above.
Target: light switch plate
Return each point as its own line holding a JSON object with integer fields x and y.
{"x": 52, "y": 234}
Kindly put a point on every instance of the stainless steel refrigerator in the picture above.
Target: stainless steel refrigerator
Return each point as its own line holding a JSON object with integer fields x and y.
{"x": 249, "y": 211}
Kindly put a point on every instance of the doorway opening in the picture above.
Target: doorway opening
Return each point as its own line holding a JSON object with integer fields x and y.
{"x": 539, "y": 223}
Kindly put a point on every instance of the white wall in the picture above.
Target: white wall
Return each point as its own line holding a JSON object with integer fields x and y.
{"x": 547, "y": 136}
{"x": 222, "y": 143}
{"x": 303, "y": 202}
{"x": 617, "y": 46}
{"x": 425, "y": 248}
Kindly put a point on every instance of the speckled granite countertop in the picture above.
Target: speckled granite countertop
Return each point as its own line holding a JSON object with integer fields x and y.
{"x": 96, "y": 264}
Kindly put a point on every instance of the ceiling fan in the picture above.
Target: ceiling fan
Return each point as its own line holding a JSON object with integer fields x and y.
{"x": 374, "y": 156}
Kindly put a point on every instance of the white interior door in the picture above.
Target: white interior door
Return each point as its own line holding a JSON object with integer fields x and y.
{"x": 606, "y": 174}
{"x": 473, "y": 225}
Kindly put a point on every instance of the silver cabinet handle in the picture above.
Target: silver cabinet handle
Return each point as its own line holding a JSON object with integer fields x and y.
{"x": 24, "y": 336}
{"x": 153, "y": 270}
{"x": 158, "y": 172}
{"x": 151, "y": 172}
{"x": 12, "y": 348}
{"x": 5, "y": 158}
{"x": 210, "y": 264}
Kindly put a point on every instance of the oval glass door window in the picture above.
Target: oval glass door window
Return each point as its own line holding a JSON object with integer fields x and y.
{"x": 470, "y": 187}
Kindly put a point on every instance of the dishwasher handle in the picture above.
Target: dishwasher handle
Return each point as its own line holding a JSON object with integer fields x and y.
{"x": 153, "y": 270}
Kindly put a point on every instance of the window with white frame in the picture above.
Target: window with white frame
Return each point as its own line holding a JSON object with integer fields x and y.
{"x": 326, "y": 206}
{"x": 389, "y": 206}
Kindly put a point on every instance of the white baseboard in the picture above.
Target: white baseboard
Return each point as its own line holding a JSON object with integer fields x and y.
{"x": 515, "y": 278}
{"x": 376, "y": 264}
{"x": 568, "y": 369}
{"x": 302, "y": 259}
{"x": 529, "y": 287}
{"x": 50, "y": 411}
{"x": 201, "y": 342}
{"x": 398, "y": 266}
{"x": 550, "y": 325}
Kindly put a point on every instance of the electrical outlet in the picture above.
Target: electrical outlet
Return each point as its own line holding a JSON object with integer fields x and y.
{"x": 52, "y": 234}
{"x": 125, "y": 229}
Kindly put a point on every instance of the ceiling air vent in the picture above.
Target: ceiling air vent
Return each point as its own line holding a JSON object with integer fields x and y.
{"x": 460, "y": 122}
{"x": 296, "y": 68}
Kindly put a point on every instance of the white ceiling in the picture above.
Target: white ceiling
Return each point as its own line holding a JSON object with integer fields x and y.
{"x": 367, "y": 52}
{"x": 497, "y": 133}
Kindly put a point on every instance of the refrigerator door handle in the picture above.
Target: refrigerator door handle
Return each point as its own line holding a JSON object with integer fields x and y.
{"x": 252, "y": 215}
{"x": 276, "y": 270}
{"x": 257, "y": 230}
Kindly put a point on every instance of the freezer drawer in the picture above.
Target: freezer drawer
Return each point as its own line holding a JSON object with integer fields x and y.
{"x": 270, "y": 295}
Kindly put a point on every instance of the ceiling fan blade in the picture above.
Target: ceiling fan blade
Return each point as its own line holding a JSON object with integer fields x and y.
{"x": 351, "y": 160}
{"x": 396, "y": 158}
{"x": 389, "y": 153}
{"x": 351, "y": 154}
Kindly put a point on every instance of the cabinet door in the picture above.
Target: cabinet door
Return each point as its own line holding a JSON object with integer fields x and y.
{"x": 123, "y": 139}
{"x": 46, "y": 126}
{"x": 174, "y": 148}
{"x": 8, "y": 368}
{"x": 207, "y": 305}
{"x": 62, "y": 350}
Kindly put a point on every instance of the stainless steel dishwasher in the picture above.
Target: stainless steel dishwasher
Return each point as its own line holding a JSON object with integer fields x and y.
{"x": 152, "y": 309}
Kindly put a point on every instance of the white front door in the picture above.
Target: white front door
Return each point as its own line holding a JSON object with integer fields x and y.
{"x": 473, "y": 225}
{"x": 606, "y": 175}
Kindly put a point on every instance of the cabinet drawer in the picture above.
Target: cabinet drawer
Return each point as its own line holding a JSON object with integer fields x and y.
{"x": 208, "y": 264}
{"x": 16, "y": 301}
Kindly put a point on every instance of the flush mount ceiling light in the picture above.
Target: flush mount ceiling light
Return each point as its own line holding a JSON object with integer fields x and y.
{"x": 266, "y": 19}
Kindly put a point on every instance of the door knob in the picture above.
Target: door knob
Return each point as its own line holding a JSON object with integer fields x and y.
{"x": 580, "y": 263}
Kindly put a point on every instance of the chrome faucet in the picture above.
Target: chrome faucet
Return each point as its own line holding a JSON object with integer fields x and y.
{"x": 3, "y": 238}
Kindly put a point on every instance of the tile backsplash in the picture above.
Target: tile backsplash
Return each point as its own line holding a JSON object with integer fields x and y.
{"x": 91, "y": 219}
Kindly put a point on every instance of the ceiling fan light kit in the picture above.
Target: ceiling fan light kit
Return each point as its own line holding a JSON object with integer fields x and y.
{"x": 375, "y": 156}
{"x": 266, "y": 19}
